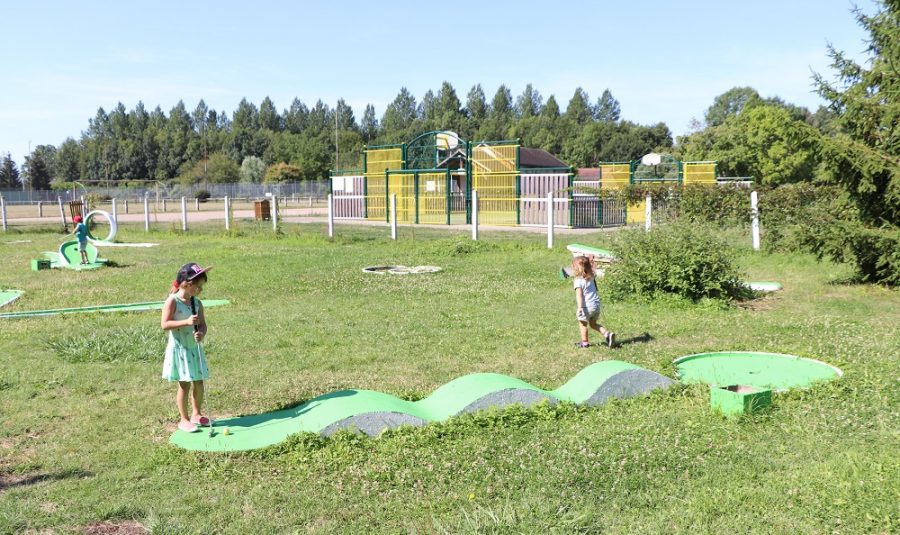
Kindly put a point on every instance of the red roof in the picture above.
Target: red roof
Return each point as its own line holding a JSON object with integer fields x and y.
{"x": 588, "y": 173}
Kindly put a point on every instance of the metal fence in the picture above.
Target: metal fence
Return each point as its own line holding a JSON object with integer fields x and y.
{"x": 307, "y": 188}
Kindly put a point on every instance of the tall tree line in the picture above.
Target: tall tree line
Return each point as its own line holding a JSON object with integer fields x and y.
{"x": 204, "y": 144}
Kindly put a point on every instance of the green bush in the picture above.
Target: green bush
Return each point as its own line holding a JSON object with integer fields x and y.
{"x": 684, "y": 260}
{"x": 203, "y": 195}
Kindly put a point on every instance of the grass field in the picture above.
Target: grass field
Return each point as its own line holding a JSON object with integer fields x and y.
{"x": 85, "y": 420}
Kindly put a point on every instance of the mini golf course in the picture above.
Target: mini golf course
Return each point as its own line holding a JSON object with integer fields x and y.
{"x": 372, "y": 412}
{"x": 133, "y": 307}
{"x": 773, "y": 371}
{"x": 8, "y": 296}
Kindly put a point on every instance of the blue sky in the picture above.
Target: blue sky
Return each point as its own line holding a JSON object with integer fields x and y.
{"x": 663, "y": 61}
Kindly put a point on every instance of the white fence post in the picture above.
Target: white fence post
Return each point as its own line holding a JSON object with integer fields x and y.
{"x": 115, "y": 211}
{"x": 310, "y": 202}
{"x": 393, "y": 216}
{"x": 184, "y": 214}
{"x": 474, "y": 215}
{"x": 146, "y": 214}
{"x": 550, "y": 220}
{"x": 3, "y": 210}
{"x": 274, "y": 213}
{"x": 40, "y": 209}
{"x": 227, "y": 213}
{"x": 330, "y": 216}
{"x": 648, "y": 212}
{"x": 62, "y": 213}
{"x": 754, "y": 211}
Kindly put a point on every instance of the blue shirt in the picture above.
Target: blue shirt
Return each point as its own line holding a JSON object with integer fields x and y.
{"x": 81, "y": 232}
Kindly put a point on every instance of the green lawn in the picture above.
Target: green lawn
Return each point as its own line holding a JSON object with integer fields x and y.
{"x": 85, "y": 421}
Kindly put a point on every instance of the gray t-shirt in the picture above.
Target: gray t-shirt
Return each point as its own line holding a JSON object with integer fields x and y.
{"x": 591, "y": 297}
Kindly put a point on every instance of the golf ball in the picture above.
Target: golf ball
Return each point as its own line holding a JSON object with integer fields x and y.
{"x": 226, "y": 431}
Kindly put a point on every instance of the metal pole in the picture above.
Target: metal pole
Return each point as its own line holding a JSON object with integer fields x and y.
{"x": 550, "y": 220}
{"x": 146, "y": 214}
{"x": 648, "y": 212}
{"x": 754, "y": 211}
{"x": 393, "y": 216}
{"x": 62, "y": 213}
{"x": 330, "y": 216}
{"x": 183, "y": 214}
{"x": 165, "y": 208}
{"x": 227, "y": 214}
{"x": 3, "y": 210}
{"x": 274, "y": 213}
{"x": 474, "y": 215}
{"x": 126, "y": 205}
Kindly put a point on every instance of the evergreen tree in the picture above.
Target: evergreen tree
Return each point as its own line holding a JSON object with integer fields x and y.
{"x": 369, "y": 127}
{"x": 295, "y": 118}
{"x": 268, "y": 116}
{"x": 551, "y": 109}
{"x": 345, "y": 118}
{"x": 476, "y": 109}
{"x": 448, "y": 110}
{"x": 579, "y": 109}
{"x": 529, "y": 103}
{"x": 607, "y": 110}
{"x": 399, "y": 116}
{"x": 9, "y": 173}
{"x": 38, "y": 167}
{"x": 67, "y": 161}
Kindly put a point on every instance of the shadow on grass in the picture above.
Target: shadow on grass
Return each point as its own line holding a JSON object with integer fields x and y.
{"x": 640, "y": 339}
{"x": 9, "y": 481}
{"x": 288, "y": 411}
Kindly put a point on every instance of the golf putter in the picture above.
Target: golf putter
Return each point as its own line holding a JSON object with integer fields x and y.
{"x": 206, "y": 394}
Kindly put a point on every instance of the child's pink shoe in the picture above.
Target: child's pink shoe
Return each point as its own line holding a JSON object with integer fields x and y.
{"x": 187, "y": 427}
{"x": 200, "y": 420}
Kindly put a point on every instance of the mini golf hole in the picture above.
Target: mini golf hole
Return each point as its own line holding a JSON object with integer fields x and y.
{"x": 401, "y": 270}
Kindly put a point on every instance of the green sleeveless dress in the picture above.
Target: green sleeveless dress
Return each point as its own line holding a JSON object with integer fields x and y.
{"x": 184, "y": 360}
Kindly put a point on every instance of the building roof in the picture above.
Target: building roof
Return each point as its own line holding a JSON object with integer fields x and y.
{"x": 537, "y": 158}
{"x": 588, "y": 173}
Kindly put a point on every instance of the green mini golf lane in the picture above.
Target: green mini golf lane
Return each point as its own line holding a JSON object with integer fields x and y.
{"x": 8, "y": 296}
{"x": 580, "y": 249}
{"x": 133, "y": 307}
{"x": 772, "y": 371}
{"x": 56, "y": 261}
{"x": 375, "y": 411}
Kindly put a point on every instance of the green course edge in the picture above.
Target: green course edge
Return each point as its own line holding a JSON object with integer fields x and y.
{"x": 132, "y": 307}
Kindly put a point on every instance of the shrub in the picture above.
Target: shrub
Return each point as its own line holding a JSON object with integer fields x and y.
{"x": 203, "y": 195}
{"x": 681, "y": 259}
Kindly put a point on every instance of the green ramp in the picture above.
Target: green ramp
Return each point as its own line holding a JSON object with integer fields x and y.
{"x": 579, "y": 249}
{"x": 133, "y": 307}
{"x": 770, "y": 371}
{"x": 764, "y": 286}
{"x": 8, "y": 296}
{"x": 372, "y": 412}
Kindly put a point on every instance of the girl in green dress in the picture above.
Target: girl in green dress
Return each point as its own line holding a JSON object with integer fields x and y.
{"x": 183, "y": 318}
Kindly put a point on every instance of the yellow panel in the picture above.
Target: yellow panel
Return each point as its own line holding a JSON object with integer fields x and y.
{"x": 377, "y": 162}
{"x": 636, "y": 212}
{"x": 699, "y": 172}
{"x": 433, "y": 198}
{"x": 615, "y": 175}
{"x": 494, "y": 173}
{"x": 403, "y": 186}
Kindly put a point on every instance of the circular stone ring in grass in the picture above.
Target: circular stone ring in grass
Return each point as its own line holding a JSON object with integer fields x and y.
{"x": 774, "y": 371}
{"x": 401, "y": 270}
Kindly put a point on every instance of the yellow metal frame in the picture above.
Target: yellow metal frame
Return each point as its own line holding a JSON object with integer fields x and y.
{"x": 615, "y": 175}
{"x": 495, "y": 171}
{"x": 377, "y": 162}
{"x": 432, "y": 198}
{"x": 699, "y": 172}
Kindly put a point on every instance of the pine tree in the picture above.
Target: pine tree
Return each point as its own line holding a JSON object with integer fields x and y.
{"x": 9, "y": 173}
{"x": 607, "y": 110}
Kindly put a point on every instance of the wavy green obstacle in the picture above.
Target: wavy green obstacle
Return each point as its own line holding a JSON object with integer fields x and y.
{"x": 773, "y": 371}
{"x": 372, "y": 412}
{"x": 132, "y": 307}
{"x": 8, "y": 296}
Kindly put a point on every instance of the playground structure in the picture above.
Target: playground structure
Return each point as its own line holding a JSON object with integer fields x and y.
{"x": 433, "y": 176}
{"x": 591, "y": 209}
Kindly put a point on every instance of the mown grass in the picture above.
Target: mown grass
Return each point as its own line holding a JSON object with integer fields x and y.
{"x": 83, "y": 426}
